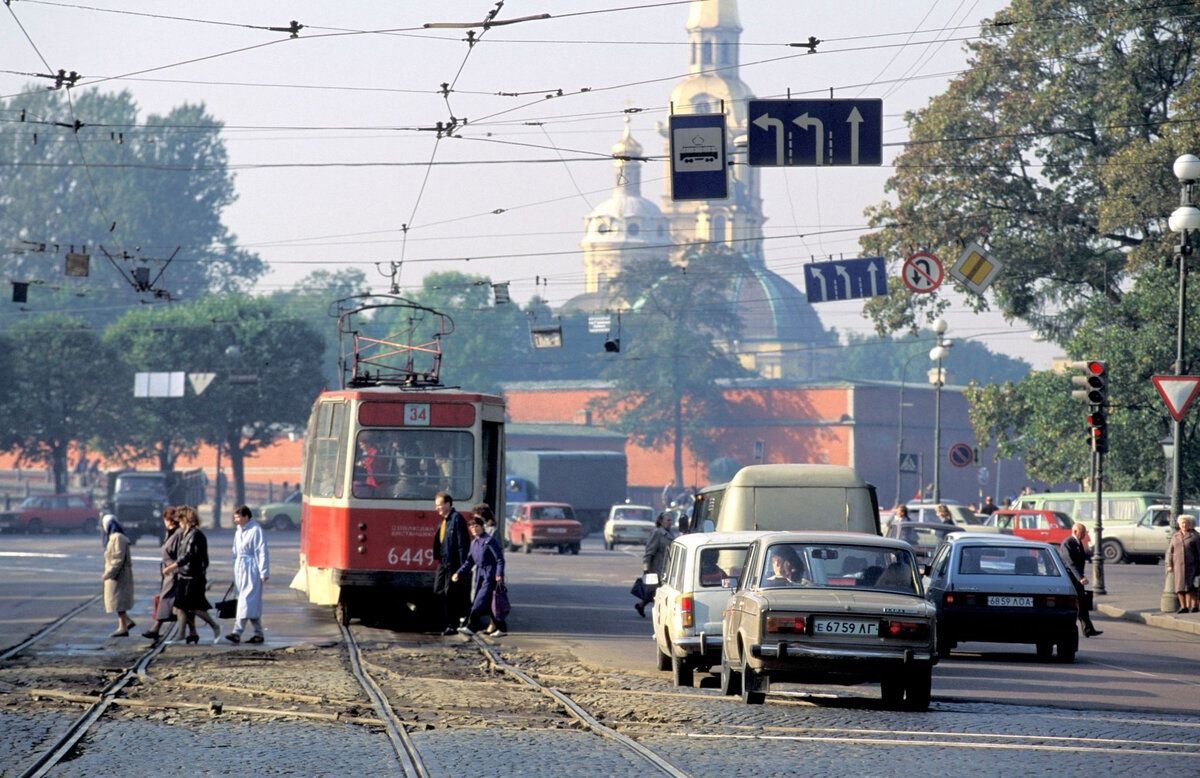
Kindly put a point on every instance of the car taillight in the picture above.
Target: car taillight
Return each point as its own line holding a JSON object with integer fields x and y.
{"x": 951, "y": 598}
{"x": 1069, "y": 603}
{"x": 793, "y": 624}
{"x": 685, "y": 611}
{"x": 906, "y": 630}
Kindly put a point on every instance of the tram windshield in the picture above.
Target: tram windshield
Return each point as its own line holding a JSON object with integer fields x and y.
{"x": 413, "y": 464}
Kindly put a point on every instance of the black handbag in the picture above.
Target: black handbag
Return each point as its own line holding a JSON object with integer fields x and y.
{"x": 227, "y": 608}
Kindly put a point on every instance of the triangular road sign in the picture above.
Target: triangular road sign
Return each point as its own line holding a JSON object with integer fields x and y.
{"x": 1178, "y": 392}
{"x": 200, "y": 381}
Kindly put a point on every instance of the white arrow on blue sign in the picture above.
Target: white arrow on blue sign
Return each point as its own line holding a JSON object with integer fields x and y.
{"x": 815, "y": 132}
{"x": 846, "y": 279}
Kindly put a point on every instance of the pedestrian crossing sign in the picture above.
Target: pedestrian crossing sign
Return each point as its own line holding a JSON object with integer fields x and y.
{"x": 975, "y": 270}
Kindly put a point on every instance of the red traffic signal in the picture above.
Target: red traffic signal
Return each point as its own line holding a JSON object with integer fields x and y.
{"x": 1093, "y": 383}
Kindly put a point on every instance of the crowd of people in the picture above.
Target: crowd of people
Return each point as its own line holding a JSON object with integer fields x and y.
{"x": 183, "y": 576}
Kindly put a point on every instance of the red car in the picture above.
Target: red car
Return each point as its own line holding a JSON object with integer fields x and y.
{"x": 545, "y": 525}
{"x": 1046, "y": 526}
{"x": 53, "y": 511}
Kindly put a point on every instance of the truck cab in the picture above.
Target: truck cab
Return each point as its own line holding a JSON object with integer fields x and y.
{"x": 137, "y": 499}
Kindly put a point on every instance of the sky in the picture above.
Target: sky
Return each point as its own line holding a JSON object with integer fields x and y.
{"x": 332, "y": 135}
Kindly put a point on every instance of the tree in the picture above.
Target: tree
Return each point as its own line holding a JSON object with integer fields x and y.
{"x": 312, "y": 300}
{"x": 1053, "y": 152}
{"x": 872, "y": 358}
{"x": 130, "y": 193}
{"x": 61, "y": 390}
{"x": 666, "y": 387}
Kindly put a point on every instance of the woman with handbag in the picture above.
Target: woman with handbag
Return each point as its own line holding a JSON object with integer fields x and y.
{"x": 1183, "y": 562}
{"x": 191, "y": 571}
{"x": 118, "y": 575}
{"x": 251, "y": 568}
{"x": 487, "y": 560}
{"x": 164, "y": 610}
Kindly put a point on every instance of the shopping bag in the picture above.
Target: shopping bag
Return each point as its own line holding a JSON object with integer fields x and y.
{"x": 639, "y": 589}
{"x": 154, "y": 607}
{"x": 226, "y": 607}
{"x": 500, "y": 604}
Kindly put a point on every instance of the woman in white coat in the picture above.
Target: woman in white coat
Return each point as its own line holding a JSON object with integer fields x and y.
{"x": 251, "y": 568}
{"x": 118, "y": 574}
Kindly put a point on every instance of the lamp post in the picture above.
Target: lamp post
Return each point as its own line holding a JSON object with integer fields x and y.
{"x": 1185, "y": 220}
{"x": 1168, "y": 602}
{"x": 900, "y": 425}
{"x": 937, "y": 354}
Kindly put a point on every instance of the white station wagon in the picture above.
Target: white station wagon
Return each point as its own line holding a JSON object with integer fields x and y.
{"x": 690, "y": 598}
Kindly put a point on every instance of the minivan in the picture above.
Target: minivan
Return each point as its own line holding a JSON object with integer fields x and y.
{"x": 789, "y": 497}
{"x": 1119, "y": 507}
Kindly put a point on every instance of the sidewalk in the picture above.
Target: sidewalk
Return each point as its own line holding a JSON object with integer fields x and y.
{"x": 1135, "y": 594}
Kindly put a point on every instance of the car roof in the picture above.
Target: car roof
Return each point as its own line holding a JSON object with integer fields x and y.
{"x": 717, "y": 538}
{"x": 631, "y": 505}
{"x": 989, "y": 539}
{"x": 538, "y": 504}
{"x": 810, "y": 536}
{"x": 790, "y": 475}
{"x": 933, "y": 525}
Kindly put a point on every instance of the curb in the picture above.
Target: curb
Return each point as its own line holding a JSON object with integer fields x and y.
{"x": 1153, "y": 618}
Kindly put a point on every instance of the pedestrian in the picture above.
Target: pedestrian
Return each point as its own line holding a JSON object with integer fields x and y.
{"x": 118, "y": 575}
{"x": 251, "y": 569}
{"x": 191, "y": 575}
{"x": 943, "y": 513}
{"x": 655, "y": 557}
{"x": 450, "y": 546}
{"x": 989, "y": 507}
{"x": 487, "y": 560}
{"x": 1075, "y": 551}
{"x": 668, "y": 493}
{"x": 165, "y": 612}
{"x": 1183, "y": 562}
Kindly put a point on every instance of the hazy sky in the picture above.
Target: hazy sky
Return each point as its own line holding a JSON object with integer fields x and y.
{"x": 332, "y": 134}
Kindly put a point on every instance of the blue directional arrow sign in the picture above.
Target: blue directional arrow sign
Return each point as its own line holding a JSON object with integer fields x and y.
{"x": 815, "y": 132}
{"x": 846, "y": 279}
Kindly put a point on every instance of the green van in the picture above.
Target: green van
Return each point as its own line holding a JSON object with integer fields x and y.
{"x": 1119, "y": 507}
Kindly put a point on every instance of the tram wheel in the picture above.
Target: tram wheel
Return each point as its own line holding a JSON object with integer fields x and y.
{"x": 341, "y": 612}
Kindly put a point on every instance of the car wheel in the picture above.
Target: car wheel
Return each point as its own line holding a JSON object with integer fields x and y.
{"x": 664, "y": 660}
{"x": 730, "y": 680}
{"x": 1113, "y": 551}
{"x": 575, "y": 549}
{"x": 89, "y": 526}
{"x": 944, "y": 644}
{"x": 562, "y": 549}
{"x": 681, "y": 671}
{"x": 608, "y": 545}
{"x": 528, "y": 548}
{"x": 34, "y": 527}
{"x": 282, "y": 521}
{"x": 1068, "y": 646}
{"x": 750, "y": 693}
{"x": 1045, "y": 650}
{"x": 918, "y": 689}
{"x": 892, "y": 691}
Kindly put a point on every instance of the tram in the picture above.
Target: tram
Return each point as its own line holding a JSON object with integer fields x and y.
{"x": 377, "y": 452}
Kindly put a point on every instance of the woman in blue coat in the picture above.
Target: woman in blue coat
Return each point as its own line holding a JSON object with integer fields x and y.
{"x": 486, "y": 558}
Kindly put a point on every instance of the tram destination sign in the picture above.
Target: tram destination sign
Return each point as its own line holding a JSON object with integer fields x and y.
{"x": 785, "y": 133}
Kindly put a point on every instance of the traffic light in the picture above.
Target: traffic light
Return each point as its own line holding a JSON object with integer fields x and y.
{"x": 1098, "y": 431}
{"x": 1093, "y": 382}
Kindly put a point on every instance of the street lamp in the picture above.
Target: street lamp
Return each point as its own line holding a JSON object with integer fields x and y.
{"x": 937, "y": 354}
{"x": 900, "y": 425}
{"x": 1185, "y": 220}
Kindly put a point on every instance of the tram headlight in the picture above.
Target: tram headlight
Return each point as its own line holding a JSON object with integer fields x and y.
{"x": 362, "y": 537}
{"x": 362, "y": 549}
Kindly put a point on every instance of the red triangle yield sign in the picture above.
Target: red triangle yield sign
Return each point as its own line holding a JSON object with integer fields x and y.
{"x": 1178, "y": 392}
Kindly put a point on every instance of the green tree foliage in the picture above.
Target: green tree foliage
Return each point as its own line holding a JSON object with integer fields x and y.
{"x": 60, "y": 390}
{"x": 135, "y": 189}
{"x": 1053, "y": 151}
{"x": 312, "y": 301}
{"x": 666, "y": 387}
{"x": 872, "y": 358}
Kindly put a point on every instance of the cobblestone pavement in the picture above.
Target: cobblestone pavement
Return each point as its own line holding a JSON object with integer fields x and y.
{"x": 467, "y": 720}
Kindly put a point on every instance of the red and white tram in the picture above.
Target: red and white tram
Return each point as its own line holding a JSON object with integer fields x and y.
{"x": 376, "y": 453}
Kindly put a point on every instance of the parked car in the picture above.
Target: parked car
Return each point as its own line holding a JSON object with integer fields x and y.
{"x": 628, "y": 524}
{"x": 927, "y": 511}
{"x": 545, "y": 525}
{"x": 689, "y": 600}
{"x": 829, "y": 607}
{"x": 281, "y": 515}
{"x": 1143, "y": 541}
{"x": 1047, "y": 526}
{"x": 41, "y": 512}
{"x": 1003, "y": 589}
{"x": 923, "y": 536}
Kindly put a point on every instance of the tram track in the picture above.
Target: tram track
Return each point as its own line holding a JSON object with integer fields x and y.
{"x": 48, "y": 628}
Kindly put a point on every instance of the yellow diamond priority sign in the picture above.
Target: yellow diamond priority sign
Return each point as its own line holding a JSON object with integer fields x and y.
{"x": 975, "y": 270}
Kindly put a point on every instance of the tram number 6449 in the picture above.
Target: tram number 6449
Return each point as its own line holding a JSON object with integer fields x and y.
{"x": 410, "y": 556}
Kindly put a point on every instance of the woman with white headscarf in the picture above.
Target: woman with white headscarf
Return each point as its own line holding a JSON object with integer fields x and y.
{"x": 118, "y": 574}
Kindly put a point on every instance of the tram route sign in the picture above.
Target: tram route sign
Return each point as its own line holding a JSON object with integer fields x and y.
{"x": 698, "y": 165}
{"x": 815, "y": 133}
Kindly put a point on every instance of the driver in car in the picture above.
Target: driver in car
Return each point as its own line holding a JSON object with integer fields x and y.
{"x": 785, "y": 569}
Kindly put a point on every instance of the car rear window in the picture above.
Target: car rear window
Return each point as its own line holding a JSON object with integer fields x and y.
{"x": 719, "y": 563}
{"x": 1007, "y": 560}
{"x": 829, "y": 565}
{"x": 644, "y": 514}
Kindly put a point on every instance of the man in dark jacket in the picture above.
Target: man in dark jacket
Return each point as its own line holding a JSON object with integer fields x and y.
{"x": 655, "y": 557}
{"x": 450, "y": 546}
{"x": 1075, "y": 553}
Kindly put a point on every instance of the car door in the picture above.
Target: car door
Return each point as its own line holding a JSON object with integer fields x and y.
{"x": 734, "y": 608}
{"x": 1152, "y": 534}
{"x": 1035, "y": 527}
{"x": 664, "y": 595}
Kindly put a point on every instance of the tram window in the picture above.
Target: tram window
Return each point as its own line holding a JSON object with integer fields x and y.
{"x": 328, "y": 459}
{"x": 413, "y": 464}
